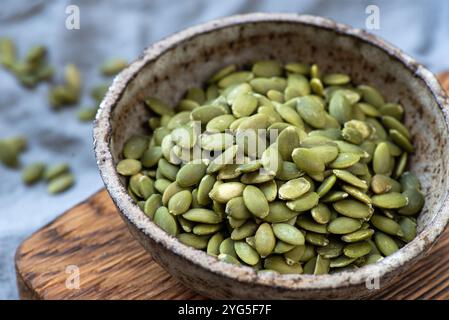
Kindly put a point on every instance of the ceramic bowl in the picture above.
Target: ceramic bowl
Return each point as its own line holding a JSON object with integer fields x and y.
{"x": 167, "y": 68}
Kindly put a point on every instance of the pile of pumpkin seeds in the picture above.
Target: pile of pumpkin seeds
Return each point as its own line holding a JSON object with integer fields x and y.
{"x": 330, "y": 193}
{"x": 33, "y": 69}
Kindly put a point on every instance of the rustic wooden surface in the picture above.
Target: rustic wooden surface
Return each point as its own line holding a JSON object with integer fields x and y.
{"x": 112, "y": 265}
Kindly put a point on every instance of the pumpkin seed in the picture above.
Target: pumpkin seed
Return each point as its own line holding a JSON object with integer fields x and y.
{"x": 415, "y": 202}
{"x": 371, "y": 96}
{"x": 385, "y": 243}
{"x": 192, "y": 240}
{"x": 357, "y": 194}
{"x": 288, "y": 234}
{"x": 343, "y": 225}
{"x": 158, "y": 106}
{"x": 311, "y": 111}
{"x": 246, "y": 230}
{"x": 340, "y": 107}
{"x": 283, "y": 247}
{"x": 33, "y": 173}
{"x": 213, "y": 245}
{"x": 357, "y": 249}
{"x": 153, "y": 203}
{"x": 190, "y": 174}
{"x": 353, "y": 209}
{"x": 332, "y": 250}
{"x": 226, "y": 191}
{"x": 341, "y": 262}
{"x": 401, "y": 140}
{"x": 255, "y": 201}
{"x": 204, "y": 229}
{"x": 316, "y": 239}
{"x": 180, "y": 202}
{"x": 127, "y": 167}
{"x": 278, "y": 264}
{"x": 384, "y": 224}
{"x": 321, "y": 213}
{"x": 326, "y": 185}
{"x": 344, "y": 160}
{"x": 235, "y": 78}
{"x": 246, "y": 253}
{"x": 113, "y": 66}
{"x": 293, "y": 189}
{"x": 61, "y": 183}
{"x": 166, "y": 221}
{"x": 392, "y": 200}
{"x": 308, "y": 224}
{"x": 279, "y": 212}
{"x": 228, "y": 258}
{"x": 265, "y": 240}
{"x": 334, "y": 196}
{"x": 304, "y": 202}
{"x": 408, "y": 227}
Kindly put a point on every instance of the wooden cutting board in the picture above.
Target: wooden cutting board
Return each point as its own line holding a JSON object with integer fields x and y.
{"x": 92, "y": 242}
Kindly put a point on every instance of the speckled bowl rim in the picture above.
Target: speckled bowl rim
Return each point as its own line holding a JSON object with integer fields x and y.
{"x": 102, "y": 136}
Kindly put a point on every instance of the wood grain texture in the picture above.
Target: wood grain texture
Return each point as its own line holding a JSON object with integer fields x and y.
{"x": 113, "y": 265}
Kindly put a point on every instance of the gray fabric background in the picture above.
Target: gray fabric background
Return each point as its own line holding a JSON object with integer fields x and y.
{"x": 123, "y": 29}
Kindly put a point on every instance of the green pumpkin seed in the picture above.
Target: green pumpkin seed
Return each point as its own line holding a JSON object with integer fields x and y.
{"x": 341, "y": 262}
{"x": 288, "y": 234}
{"x": 279, "y": 212}
{"x": 265, "y": 240}
{"x": 255, "y": 201}
{"x": 357, "y": 194}
{"x": 309, "y": 224}
{"x": 278, "y": 264}
{"x": 326, "y": 185}
{"x": 56, "y": 170}
{"x": 146, "y": 187}
{"x": 267, "y": 68}
{"x": 334, "y": 196}
{"x": 213, "y": 245}
{"x": 384, "y": 224}
{"x": 335, "y": 79}
{"x": 357, "y": 249}
{"x": 158, "y": 106}
{"x": 321, "y": 266}
{"x": 382, "y": 159}
{"x": 294, "y": 255}
{"x": 167, "y": 169}
{"x": 235, "y": 78}
{"x": 161, "y": 185}
{"x": 304, "y": 202}
{"x": 283, "y": 247}
{"x": 180, "y": 202}
{"x": 401, "y": 140}
{"x": 340, "y": 107}
{"x": 321, "y": 214}
{"x": 294, "y": 189}
{"x": 311, "y": 111}
{"x": 358, "y": 235}
{"x": 61, "y": 183}
{"x": 220, "y": 123}
{"x": 151, "y": 157}
{"x": 113, "y": 66}
{"x": 246, "y": 230}
{"x": 415, "y": 202}
{"x": 129, "y": 167}
{"x": 343, "y": 225}
{"x": 190, "y": 174}
{"x": 226, "y": 191}
{"x": 344, "y": 160}
{"x": 288, "y": 171}
{"x": 263, "y": 84}
{"x": 353, "y": 209}
{"x": 300, "y": 68}
{"x": 205, "y": 229}
{"x": 385, "y": 243}
{"x": 383, "y": 184}
{"x": 228, "y": 259}
{"x": 316, "y": 239}
{"x": 350, "y": 178}
{"x": 307, "y": 160}
{"x": 371, "y": 96}
{"x": 408, "y": 227}
{"x": 368, "y": 109}
{"x": 223, "y": 73}
{"x": 332, "y": 250}
{"x": 202, "y": 216}
{"x": 392, "y": 109}
{"x": 33, "y": 173}
{"x": 269, "y": 189}
{"x": 192, "y": 240}
{"x": 392, "y": 200}
{"x": 153, "y": 203}
{"x": 246, "y": 253}
{"x": 166, "y": 221}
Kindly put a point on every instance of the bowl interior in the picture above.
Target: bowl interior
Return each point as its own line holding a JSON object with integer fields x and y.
{"x": 188, "y": 63}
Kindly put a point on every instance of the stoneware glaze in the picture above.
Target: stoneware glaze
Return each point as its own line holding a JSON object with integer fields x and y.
{"x": 169, "y": 67}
